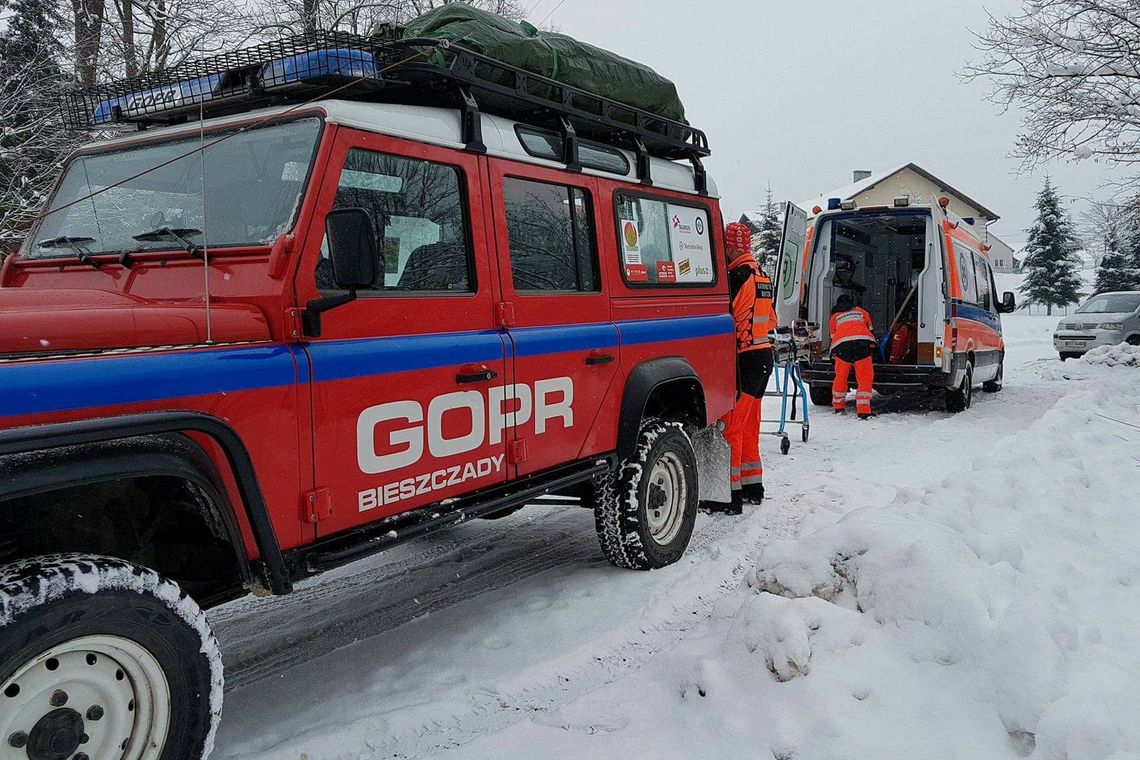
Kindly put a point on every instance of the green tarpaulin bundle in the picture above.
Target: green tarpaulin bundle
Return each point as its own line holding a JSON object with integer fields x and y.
{"x": 552, "y": 55}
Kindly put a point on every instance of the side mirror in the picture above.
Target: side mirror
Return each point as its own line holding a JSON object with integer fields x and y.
{"x": 1008, "y": 303}
{"x": 352, "y": 248}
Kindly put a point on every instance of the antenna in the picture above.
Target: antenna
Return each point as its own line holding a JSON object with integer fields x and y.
{"x": 205, "y": 227}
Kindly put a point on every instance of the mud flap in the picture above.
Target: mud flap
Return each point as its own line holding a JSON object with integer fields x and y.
{"x": 714, "y": 462}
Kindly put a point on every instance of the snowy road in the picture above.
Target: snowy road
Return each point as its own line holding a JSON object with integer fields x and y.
{"x": 488, "y": 635}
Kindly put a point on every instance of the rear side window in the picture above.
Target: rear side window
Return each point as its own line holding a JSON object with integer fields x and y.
{"x": 664, "y": 244}
{"x": 966, "y": 273}
{"x": 982, "y": 276}
{"x": 550, "y": 232}
{"x": 419, "y": 212}
{"x": 543, "y": 144}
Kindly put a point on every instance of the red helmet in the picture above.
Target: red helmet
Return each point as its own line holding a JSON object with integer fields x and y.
{"x": 738, "y": 238}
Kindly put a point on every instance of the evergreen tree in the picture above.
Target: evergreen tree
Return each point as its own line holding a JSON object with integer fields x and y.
{"x": 1119, "y": 268}
{"x": 766, "y": 243}
{"x": 1051, "y": 260}
{"x": 32, "y": 139}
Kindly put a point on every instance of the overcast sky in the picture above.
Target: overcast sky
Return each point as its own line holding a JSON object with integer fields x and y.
{"x": 799, "y": 93}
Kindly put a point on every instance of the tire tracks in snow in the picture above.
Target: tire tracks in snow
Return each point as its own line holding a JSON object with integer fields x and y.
{"x": 674, "y": 620}
{"x": 252, "y": 656}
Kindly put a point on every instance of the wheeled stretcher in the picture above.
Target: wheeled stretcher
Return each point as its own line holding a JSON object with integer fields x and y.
{"x": 791, "y": 345}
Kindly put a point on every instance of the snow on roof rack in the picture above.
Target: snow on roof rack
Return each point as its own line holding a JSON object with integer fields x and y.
{"x": 392, "y": 70}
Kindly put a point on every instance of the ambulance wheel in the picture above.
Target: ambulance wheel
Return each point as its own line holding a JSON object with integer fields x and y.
{"x": 100, "y": 658}
{"x": 959, "y": 399}
{"x": 993, "y": 386}
{"x": 646, "y": 509}
{"x": 819, "y": 394}
{"x": 785, "y": 445}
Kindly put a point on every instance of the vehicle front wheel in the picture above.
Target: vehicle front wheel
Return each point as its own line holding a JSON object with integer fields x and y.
{"x": 100, "y": 658}
{"x": 820, "y": 394}
{"x": 646, "y": 509}
{"x": 959, "y": 399}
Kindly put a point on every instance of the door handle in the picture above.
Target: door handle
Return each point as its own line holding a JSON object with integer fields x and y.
{"x": 475, "y": 374}
{"x": 594, "y": 358}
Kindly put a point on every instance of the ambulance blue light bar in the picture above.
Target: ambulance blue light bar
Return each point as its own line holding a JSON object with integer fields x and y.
{"x": 157, "y": 99}
{"x": 319, "y": 64}
{"x": 833, "y": 204}
{"x": 322, "y": 67}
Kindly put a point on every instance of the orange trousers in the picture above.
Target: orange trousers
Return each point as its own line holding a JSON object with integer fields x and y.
{"x": 742, "y": 431}
{"x": 864, "y": 378}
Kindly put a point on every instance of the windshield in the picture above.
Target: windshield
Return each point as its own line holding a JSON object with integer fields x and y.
{"x": 1111, "y": 303}
{"x": 252, "y": 184}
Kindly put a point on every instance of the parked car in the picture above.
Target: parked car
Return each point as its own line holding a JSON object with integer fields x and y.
{"x": 1105, "y": 319}
{"x": 350, "y": 324}
{"x": 922, "y": 273}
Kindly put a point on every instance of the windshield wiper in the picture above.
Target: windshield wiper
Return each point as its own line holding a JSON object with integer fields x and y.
{"x": 172, "y": 235}
{"x": 77, "y": 244}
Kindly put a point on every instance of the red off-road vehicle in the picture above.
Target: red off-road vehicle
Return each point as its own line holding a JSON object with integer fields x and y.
{"x": 322, "y": 305}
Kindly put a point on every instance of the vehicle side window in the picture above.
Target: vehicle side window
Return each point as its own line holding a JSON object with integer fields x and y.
{"x": 419, "y": 211}
{"x": 966, "y": 273}
{"x": 664, "y": 244}
{"x": 550, "y": 231}
{"x": 982, "y": 276}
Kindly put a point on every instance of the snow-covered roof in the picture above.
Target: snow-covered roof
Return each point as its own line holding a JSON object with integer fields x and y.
{"x": 855, "y": 188}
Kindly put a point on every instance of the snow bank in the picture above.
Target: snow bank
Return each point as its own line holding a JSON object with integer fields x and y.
{"x": 1010, "y": 591}
{"x": 1123, "y": 355}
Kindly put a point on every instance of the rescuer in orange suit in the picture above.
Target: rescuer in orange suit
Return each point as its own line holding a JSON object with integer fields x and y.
{"x": 852, "y": 344}
{"x": 752, "y": 308}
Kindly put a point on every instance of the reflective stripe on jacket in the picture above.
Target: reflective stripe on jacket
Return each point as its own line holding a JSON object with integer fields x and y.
{"x": 851, "y": 325}
{"x": 752, "y": 306}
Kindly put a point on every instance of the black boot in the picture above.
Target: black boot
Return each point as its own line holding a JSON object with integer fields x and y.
{"x": 737, "y": 505}
{"x": 866, "y": 416}
{"x": 714, "y": 507}
{"x": 753, "y": 493}
{"x": 734, "y": 507}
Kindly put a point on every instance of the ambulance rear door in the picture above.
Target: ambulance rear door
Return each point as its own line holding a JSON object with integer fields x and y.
{"x": 790, "y": 264}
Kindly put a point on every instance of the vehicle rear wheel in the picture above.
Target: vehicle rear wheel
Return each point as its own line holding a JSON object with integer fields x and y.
{"x": 100, "y": 658}
{"x": 994, "y": 386}
{"x": 820, "y": 394}
{"x": 959, "y": 399}
{"x": 1066, "y": 355}
{"x": 646, "y": 510}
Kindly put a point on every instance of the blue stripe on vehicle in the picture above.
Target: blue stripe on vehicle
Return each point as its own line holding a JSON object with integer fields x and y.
{"x": 683, "y": 328}
{"x": 39, "y": 387}
{"x": 538, "y": 341}
{"x": 978, "y": 314}
{"x": 69, "y": 384}
{"x": 345, "y": 359}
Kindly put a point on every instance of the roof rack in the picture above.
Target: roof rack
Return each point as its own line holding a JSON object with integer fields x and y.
{"x": 391, "y": 70}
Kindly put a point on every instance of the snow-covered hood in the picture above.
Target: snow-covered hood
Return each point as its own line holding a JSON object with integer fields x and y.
{"x": 1078, "y": 321}
{"x": 34, "y": 321}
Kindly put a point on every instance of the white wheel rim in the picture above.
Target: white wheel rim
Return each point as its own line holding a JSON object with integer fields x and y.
{"x": 667, "y": 494}
{"x": 107, "y": 689}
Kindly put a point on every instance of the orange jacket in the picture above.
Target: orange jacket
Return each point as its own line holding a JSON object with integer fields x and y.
{"x": 851, "y": 325}
{"x": 752, "y": 306}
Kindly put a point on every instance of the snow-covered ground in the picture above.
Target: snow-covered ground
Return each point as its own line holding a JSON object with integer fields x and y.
{"x": 920, "y": 585}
